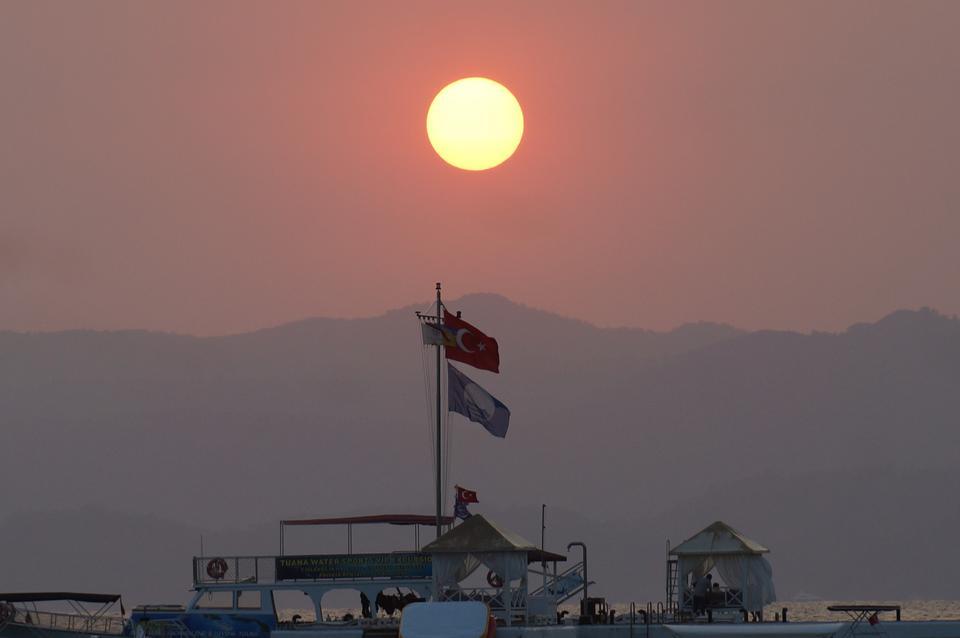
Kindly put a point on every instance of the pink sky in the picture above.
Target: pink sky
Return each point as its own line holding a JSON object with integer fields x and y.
{"x": 217, "y": 167}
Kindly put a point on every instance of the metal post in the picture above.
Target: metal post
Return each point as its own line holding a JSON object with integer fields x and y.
{"x": 439, "y": 421}
{"x": 586, "y": 580}
{"x": 543, "y": 528}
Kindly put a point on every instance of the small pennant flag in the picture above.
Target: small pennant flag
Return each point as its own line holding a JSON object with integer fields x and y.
{"x": 466, "y": 496}
{"x": 460, "y": 510}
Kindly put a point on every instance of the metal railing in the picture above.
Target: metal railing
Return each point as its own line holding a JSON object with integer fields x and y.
{"x": 239, "y": 569}
{"x": 112, "y": 625}
{"x": 493, "y": 597}
{"x": 731, "y": 599}
{"x": 564, "y": 585}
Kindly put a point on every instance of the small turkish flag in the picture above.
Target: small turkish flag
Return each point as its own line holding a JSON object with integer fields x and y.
{"x": 466, "y": 496}
{"x": 466, "y": 344}
{"x": 874, "y": 620}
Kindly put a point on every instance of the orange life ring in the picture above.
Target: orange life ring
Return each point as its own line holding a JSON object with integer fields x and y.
{"x": 494, "y": 579}
{"x": 216, "y": 568}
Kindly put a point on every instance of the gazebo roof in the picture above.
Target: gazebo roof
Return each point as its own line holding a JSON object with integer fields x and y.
{"x": 718, "y": 538}
{"x": 477, "y": 534}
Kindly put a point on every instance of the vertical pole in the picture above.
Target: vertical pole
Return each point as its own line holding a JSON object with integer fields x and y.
{"x": 543, "y": 529}
{"x": 439, "y": 421}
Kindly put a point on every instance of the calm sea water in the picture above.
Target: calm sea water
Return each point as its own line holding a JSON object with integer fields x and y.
{"x": 911, "y": 609}
{"x": 796, "y": 611}
{"x": 817, "y": 610}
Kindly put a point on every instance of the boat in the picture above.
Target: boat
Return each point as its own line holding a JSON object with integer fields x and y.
{"x": 524, "y": 590}
{"x": 42, "y": 615}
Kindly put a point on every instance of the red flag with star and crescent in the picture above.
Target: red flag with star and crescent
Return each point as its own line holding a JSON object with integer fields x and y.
{"x": 466, "y": 344}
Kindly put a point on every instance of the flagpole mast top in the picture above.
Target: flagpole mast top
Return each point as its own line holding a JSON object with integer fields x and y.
{"x": 439, "y": 348}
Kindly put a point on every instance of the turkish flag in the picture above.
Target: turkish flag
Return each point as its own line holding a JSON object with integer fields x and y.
{"x": 468, "y": 345}
{"x": 466, "y": 496}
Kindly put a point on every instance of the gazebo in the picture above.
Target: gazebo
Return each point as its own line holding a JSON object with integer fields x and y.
{"x": 479, "y": 541}
{"x": 738, "y": 560}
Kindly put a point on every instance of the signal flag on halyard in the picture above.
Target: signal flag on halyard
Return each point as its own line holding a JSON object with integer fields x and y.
{"x": 464, "y": 497}
{"x": 460, "y": 510}
{"x": 463, "y": 342}
{"x": 475, "y": 403}
{"x": 469, "y": 345}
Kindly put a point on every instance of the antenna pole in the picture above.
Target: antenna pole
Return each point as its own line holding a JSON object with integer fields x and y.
{"x": 543, "y": 531}
{"x": 439, "y": 346}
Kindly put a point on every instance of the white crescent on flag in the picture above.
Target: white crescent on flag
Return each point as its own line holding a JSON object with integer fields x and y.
{"x": 460, "y": 333}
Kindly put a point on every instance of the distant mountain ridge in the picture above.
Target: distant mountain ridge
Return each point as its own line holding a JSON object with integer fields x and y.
{"x": 325, "y": 416}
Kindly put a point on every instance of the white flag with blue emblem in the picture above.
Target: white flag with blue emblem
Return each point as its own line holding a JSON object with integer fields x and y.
{"x": 475, "y": 403}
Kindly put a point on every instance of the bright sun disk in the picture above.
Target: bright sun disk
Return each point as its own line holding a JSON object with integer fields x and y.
{"x": 475, "y": 123}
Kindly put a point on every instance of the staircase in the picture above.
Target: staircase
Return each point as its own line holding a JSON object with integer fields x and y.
{"x": 565, "y": 585}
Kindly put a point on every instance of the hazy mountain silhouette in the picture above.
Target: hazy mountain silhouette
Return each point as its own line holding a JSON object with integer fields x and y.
{"x": 834, "y": 449}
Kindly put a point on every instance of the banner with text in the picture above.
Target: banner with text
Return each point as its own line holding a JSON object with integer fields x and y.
{"x": 391, "y": 565}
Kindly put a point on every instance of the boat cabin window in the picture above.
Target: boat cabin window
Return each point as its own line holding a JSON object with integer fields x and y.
{"x": 248, "y": 599}
{"x": 216, "y": 600}
{"x": 292, "y": 605}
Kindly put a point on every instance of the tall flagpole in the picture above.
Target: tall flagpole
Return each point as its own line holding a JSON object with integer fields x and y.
{"x": 439, "y": 422}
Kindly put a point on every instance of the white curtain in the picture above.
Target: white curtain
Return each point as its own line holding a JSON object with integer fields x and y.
{"x": 451, "y": 569}
{"x": 696, "y": 565}
{"x": 758, "y": 588}
{"x": 510, "y": 566}
{"x": 733, "y": 569}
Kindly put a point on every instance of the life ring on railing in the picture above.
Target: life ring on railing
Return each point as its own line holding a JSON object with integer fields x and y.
{"x": 216, "y": 568}
{"x": 7, "y": 612}
{"x": 494, "y": 579}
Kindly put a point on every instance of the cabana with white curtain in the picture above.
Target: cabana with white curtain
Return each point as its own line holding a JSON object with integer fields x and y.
{"x": 739, "y": 562}
{"x": 478, "y": 541}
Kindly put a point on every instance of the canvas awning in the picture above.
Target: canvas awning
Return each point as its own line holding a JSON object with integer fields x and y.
{"x": 36, "y": 597}
{"x": 537, "y": 556}
{"x": 382, "y": 519}
{"x": 718, "y": 538}
{"x": 479, "y": 541}
{"x": 477, "y": 534}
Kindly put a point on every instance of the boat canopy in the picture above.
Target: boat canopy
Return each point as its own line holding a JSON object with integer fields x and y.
{"x": 384, "y": 519}
{"x": 36, "y": 597}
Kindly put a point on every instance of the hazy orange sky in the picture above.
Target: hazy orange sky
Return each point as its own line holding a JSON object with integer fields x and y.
{"x": 221, "y": 166}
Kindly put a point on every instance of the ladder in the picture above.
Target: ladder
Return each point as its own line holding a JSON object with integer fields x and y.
{"x": 672, "y": 568}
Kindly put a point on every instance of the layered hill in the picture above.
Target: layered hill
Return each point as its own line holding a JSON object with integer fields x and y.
{"x": 638, "y": 435}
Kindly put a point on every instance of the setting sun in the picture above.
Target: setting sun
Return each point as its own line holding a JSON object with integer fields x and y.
{"x": 475, "y": 124}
